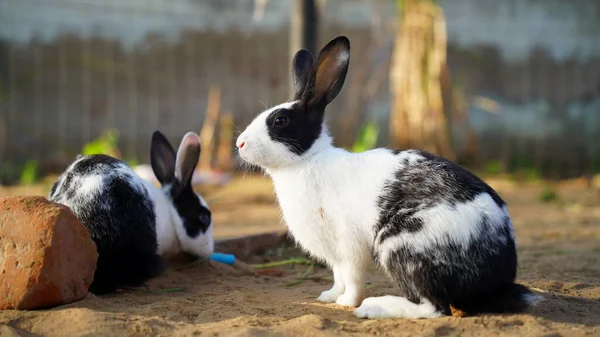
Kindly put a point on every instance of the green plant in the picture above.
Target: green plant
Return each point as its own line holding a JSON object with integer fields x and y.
{"x": 131, "y": 162}
{"x": 525, "y": 174}
{"x": 548, "y": 194}
{"x": 367, "y": 137}
{"x": 30, "y": 173}
{"x": 494, "y": 167}
{"x": 531, "y": 174}
{"x": 106, "y": 143}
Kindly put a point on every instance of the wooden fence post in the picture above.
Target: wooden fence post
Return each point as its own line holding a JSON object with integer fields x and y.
{"x": 303, "y": 30}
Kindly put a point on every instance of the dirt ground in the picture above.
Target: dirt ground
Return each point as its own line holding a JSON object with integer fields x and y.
{"x": 559, "y": 245}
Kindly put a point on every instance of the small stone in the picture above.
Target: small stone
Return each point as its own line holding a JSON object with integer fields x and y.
{"x": 457, "y": 312}
{"x": 47, "y": 257}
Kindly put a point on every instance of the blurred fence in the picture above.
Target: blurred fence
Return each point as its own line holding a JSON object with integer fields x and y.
{"x": 528, "y": 72}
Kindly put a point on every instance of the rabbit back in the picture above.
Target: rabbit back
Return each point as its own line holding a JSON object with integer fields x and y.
{"x": 446, "y": 235}
{"x": 116, "y": 208}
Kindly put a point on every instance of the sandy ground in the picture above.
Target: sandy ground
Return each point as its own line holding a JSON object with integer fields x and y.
{"x": 559, "y": 256}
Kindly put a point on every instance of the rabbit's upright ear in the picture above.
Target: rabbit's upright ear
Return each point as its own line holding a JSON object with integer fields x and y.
{"x": 301, "y": 66}
{"x": 187, "y": 158}
{"x": 162, "y": 158}
{"x": 328, "y": 74}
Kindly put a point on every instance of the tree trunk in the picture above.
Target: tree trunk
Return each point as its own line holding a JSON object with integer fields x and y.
{"x": 418, "y": 78}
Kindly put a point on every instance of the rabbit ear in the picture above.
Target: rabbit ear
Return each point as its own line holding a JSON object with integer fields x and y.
{"x": 187, "y": 158}
{"x": 301, "y": 66}
{"x": 329, "y": 73}
{"x": 162, "y": 158}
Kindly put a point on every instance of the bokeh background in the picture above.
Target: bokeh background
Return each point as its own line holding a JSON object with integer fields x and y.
{"x": 499, "y": 86}
{"x": 508, "y": 88}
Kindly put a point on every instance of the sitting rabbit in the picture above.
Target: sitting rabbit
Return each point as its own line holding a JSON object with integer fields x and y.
{"x": 442, "y": 235}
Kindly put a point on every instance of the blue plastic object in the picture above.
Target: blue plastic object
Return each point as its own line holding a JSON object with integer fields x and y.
{"x": 223, "y": 258}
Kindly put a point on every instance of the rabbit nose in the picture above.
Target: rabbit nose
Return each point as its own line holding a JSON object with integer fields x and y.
{"x": 241, "y": 145}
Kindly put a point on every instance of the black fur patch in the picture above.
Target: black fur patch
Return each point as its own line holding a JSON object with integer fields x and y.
{"x": 450, "y": 275}
{"x": 121, "y": 221}
{"x": 94, "y": 163}
{"x": 303, "y": 129}
{"x": 196, "y": 218}
{"x": 422, "y": 185}
{"x": 53, "y": 189}
{"x": 476, "y": 278}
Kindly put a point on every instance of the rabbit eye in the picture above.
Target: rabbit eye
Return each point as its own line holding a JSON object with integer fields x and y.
{"x": 205, "y": 218}
{"x": 280, "y": 121}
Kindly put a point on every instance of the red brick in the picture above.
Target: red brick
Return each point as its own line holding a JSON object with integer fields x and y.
{"x": 47, "y": 257}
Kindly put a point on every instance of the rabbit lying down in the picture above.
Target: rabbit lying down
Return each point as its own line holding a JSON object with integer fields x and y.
{"x": 442, "y": 236}
{"x": 133, "y": 223}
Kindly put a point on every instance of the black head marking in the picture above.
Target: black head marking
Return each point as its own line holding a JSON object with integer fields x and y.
{"x": 300, "y": 130}
{"x": 196, "y": 218}
{"x": 176, "y": 170}
{"x": 315, "y": 86}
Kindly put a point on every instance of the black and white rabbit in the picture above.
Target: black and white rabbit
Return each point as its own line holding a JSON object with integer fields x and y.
{"x": 133, "y": 223}
{"x": 442, "y": 235}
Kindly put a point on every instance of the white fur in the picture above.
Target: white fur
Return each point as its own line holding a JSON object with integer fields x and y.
{"x": 411, "y": 156}
{"x": 203, "y": 244}
{"x": 253, "y": 151}
{"x": 329, "y": 200}
{"x": 395, "y": 307}
{"x": 343, "y": 58}
{"x": 445, "y": 224}
{"x": 91, "y": 185}
{"x": 260, "y": 150}
{"x": 170, "y": 233}
{"x": 318, "y": 193}
{"x": 166, "y": 217}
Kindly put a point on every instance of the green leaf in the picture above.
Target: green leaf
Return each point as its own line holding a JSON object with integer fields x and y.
{"x": 367, "y": 137}
{"x": 30, "y": 173}
{"x": 107, "y": 143}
